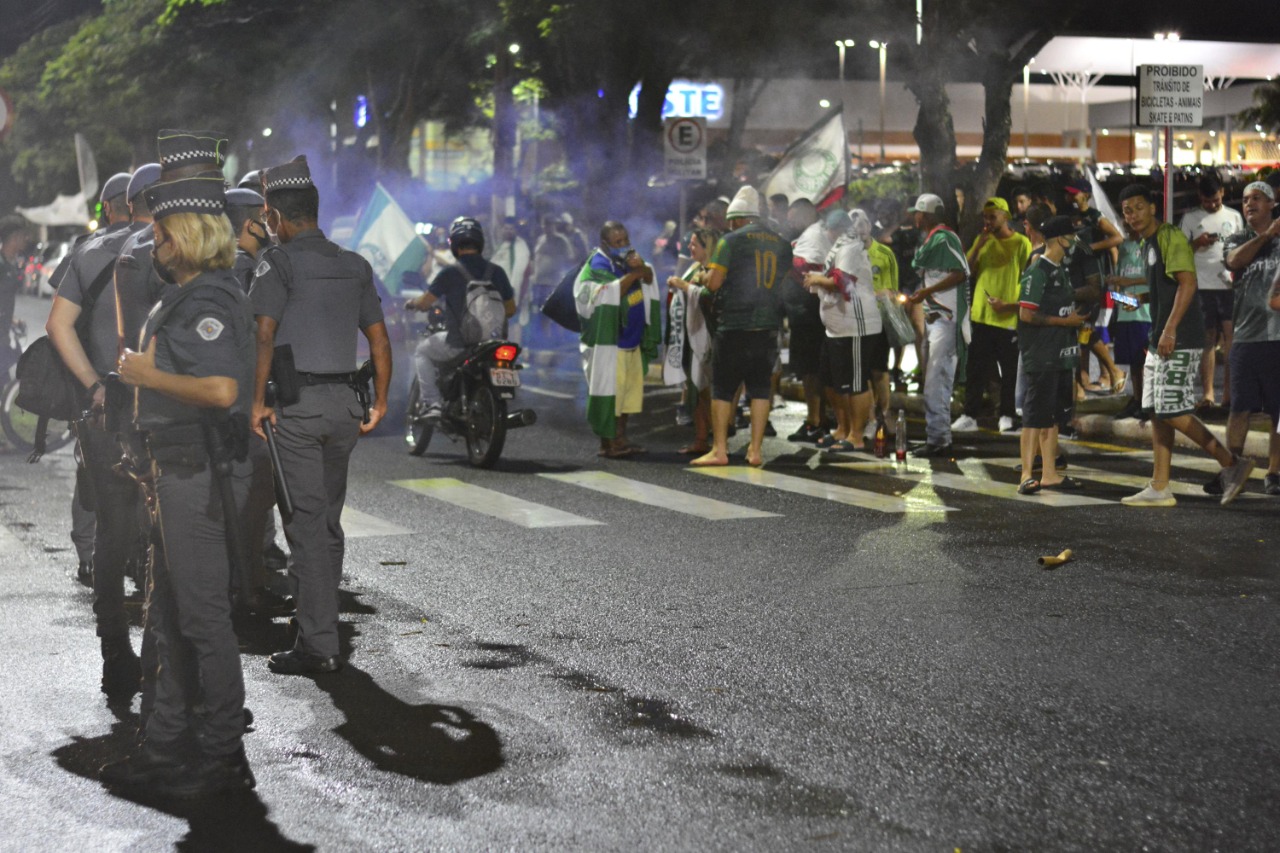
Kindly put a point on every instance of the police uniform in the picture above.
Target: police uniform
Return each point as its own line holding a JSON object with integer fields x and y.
{"x": 320, "y": 296}
{"x": 203, "y": 328}
{"x": 117, "y": 534}
{"x": 136, "y": 286}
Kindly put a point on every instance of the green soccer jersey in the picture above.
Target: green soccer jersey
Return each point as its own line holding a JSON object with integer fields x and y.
{"x": 1046, "y": 288}
{"x": 1169, "y": 252}
{"x": 754, "y": 260}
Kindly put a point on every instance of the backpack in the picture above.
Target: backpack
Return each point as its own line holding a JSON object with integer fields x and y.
{"x": 484, "y": 317}
{"x": 560, "y": 307}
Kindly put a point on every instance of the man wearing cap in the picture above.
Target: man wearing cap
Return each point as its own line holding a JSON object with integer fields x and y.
{"x": 82, "y": 327}
{"x": 745, "y": 272}
{"x": 808, "y": 335}
{"x": 997, "y": 259}
{"x": 193, "y": 374}
{"x": 1046, "y": 340}
{"x": 1171, "y": 379}
{"x": 1208, "y": 227}
{"x": 311, "y": 296}
{"x": 1253, "y": 255}
{"x": 943, "y": 267}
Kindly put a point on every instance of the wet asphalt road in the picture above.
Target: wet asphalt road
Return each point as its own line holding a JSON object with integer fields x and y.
{"x": 831, "y": 677}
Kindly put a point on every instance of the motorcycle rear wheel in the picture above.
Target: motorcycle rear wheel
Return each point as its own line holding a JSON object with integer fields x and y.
{"x": 486, "y": 427}
{"x": 19, "y": 425}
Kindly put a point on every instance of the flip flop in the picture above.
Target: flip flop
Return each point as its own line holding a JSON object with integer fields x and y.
{"x": 1068, "y": 484}
{"x": 1118, "y": 387}
{"x": 1029, "y": 487}
{"x": 826, "y": 441}
{"x": 843, "y": 446}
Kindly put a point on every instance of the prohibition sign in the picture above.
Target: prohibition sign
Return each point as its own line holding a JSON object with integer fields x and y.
{"x": 684, "y": 136}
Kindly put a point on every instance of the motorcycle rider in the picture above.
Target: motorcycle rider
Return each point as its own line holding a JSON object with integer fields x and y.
{"x": 466, "y": 242}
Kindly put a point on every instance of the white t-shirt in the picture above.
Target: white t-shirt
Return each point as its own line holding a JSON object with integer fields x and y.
{"x": 812, "y": 245}
{"x": 852, "y": 312}
{"x": 1211, "y": 268}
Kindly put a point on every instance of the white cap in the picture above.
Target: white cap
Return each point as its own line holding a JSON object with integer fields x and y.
{"x": 929, "y": 203}
{"x": 745, "y": 203}
{"x": 1262, "y": 187}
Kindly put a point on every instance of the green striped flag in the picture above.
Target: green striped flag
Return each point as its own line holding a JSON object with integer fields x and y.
{"x": 385, "y": 236}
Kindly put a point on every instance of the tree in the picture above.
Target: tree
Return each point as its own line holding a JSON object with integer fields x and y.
{"x": 1265, "y": 111}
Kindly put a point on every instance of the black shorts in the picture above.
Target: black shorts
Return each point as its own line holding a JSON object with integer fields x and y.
{"x": 847, "y": 362}
{"x": 1217, "y": 306}
{"x": 1255, "y": 378}
{"x": 806, "y": 349}
{"x": 1043, "y": 404}
{"x": 744, "y": 357}
{"x": 1131, "y": 339}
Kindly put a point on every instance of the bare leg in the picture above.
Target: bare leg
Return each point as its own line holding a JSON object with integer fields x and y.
{"x": 759, "y": 415}
{"x": 1209, "y": 364}
{"x": 880, "y": 386}
{"x": 721, "y": 412}
{"x": 702, "y": 417}
{"x": 844, "y": 416}
{"x": 812, "y": 399}
{"x": 1238, "y": 430}
{"x": 1161, "y": 452}
{"x": 1049, "y": 475}
{"x": 1228, "y": 336}
{"x": 859, "y": 414}
{"x": 1103, "y": 352}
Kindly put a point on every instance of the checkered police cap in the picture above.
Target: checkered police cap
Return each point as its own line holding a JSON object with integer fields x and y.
{"x": 178, "y": 148}
{"x": 187, "y": 195}
{"x": 293, "y": 175}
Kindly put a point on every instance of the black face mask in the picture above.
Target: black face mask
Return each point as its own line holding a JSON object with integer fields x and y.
{"x": 260, "y": 236}
{"x": 162, "y": 270}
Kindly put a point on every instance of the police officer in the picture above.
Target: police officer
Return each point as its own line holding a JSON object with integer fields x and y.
{"x": 312, "y": 296}
{"x": 244, "y": 209}
{"x": 82, "y": 327}
{"x": 194, "y": 379}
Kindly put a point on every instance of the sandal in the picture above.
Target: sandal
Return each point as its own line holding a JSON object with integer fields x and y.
{"x": 1029, "y": 487}
{"x": 1068, "y": 484}
{"x": 826, "y": 441}
{"x": 844, "y": 445}
{"x": 1118, "y": 387}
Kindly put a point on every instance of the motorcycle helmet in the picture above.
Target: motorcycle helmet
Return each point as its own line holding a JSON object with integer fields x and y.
{"x": 465, "y": 232}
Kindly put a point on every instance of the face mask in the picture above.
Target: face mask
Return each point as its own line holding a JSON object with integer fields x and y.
{"x": 620, "y": 253}
{"x": 260, "y": 234}
{"x": 162, "y": 270}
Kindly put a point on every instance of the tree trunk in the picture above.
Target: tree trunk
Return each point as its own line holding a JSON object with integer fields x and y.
{"x": 981, "y": 183}
{"x": 646, "y": 128}
{"x": 935, "y": 130}
{"x": 504, "y": 142}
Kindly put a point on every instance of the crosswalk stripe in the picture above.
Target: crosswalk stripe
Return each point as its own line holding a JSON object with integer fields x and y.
{"x": 9, "y": 543}
{"x": 361, "y": 525}
{"x": 1206, "y": 465}
{"x": 816, "y": 489}
{"x": 659, "y": 496}
{"x": 1114, "y": 478}
{"x": 973, "y": 479}
{"x": 496, "y": 504}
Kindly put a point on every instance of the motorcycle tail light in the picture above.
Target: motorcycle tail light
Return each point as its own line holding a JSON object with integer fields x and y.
{"x": 506, "y": 352}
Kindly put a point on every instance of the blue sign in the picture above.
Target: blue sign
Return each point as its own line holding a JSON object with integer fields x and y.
{"x": 687, "y": 99}
{"x": 360, "y": 116}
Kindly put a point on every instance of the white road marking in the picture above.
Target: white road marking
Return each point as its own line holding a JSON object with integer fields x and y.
{"x": 659, "y": 496}
{"x": 826, "y": 491}
{"x": 559, "y": 395}
{"x": 1209, "y": 465}
{"x": 973, "y": 479}
{"x": 496, "y": 504}
{"x": 361, "y": 525}
{"x": 1114, "y": 478}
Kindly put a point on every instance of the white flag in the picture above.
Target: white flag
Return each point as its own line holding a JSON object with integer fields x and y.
{"x": 385, "y": 236}
{"x": 815, "y": 166}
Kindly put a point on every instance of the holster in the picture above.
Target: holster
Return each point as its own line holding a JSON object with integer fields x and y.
{"x": 285, "y": 375}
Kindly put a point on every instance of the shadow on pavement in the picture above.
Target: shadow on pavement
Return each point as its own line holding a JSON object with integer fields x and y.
{"x": 236, "y": 821}
{"x": 439, "y": 744}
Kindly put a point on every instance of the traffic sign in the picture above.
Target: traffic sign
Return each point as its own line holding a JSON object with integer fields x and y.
{"x": 1170, "y": 95}
{"x": 6, "y": 114}
{"x": 686, "y": 147}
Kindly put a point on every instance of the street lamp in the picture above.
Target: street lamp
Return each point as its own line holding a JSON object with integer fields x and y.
{"x": 881, "y": 46}
{"x": 841, "y": 44}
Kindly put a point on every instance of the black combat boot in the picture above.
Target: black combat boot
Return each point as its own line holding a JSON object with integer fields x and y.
{"x": 121, "y": 670}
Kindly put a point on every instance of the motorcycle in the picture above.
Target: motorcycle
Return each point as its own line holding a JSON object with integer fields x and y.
{"x": 475, "y": 390}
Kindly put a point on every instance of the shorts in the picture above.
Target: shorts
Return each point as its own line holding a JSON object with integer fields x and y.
{"x": 629, "y": 395}
{"x": 847, "y": 362}
{"x": 1255, "y": 378}
{"x": 1217, "y": 306}
{"x": 1171, "y": 386}
{"x": 1132, "y": 340}
{"x": 1043, "y": 403}
{"x": 806, "y": 349}
{"x": 744, "y": 357}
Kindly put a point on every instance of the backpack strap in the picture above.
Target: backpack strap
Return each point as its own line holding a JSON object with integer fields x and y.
{"x": 91, "y": 298}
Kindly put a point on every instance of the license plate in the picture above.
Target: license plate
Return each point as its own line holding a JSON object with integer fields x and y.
{"x": 503, "y": 378}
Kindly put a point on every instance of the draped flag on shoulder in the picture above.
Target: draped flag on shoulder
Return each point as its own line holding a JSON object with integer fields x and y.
{"x": 386, "y": 238}
{"x": 815, "y": 166}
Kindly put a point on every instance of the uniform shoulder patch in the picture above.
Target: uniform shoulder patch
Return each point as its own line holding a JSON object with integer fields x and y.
{"x": 262, "y": 269}
{"x": 209, "y": 328}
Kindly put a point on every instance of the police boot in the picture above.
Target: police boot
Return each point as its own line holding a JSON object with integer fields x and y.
{"x": 121, "y": 670}
{"x": 211, "y": 775}
{"x": 150, "y": 765}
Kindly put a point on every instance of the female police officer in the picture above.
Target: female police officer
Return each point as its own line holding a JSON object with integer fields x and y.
{"x": 194, "y": 378}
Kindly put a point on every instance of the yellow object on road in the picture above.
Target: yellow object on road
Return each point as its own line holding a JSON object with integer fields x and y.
{"x": 1054, "y": 562}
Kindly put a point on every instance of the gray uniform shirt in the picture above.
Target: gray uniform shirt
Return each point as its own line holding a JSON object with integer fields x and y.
{"x": 136, "y": 287}
{"x": 320, "y": 295}
{"x": 89, "y": 260}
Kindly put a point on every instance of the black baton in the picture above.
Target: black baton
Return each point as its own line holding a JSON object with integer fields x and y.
{"x": 283, "y": 498}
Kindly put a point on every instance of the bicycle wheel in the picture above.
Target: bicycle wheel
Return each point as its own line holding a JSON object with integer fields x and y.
{"x": 20, "y": 425}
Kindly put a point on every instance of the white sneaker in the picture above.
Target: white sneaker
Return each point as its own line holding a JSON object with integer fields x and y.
{"x": 1006, "y": 424}
{"x": 1150, "y": 496}
{"x": 964, "y": 423}
{"x": 1234, "y": 478}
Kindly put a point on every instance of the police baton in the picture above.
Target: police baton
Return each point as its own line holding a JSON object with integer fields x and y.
{"x": 283, "y": 498}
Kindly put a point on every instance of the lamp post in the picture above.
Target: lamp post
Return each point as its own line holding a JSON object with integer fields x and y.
{"x": 881, "y": 46}
{"x": 841, "y": 44}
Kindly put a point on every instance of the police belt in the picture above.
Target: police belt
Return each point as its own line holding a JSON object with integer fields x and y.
{"x": 327, "y": 378}
{"x": 182, "y": 444}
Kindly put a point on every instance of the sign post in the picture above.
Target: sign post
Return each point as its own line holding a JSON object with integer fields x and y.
{"x": 1170, "y": 96}
{"x": 686, "y": 154}
{"x": 6, "y": 114}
